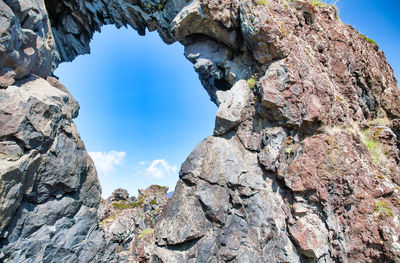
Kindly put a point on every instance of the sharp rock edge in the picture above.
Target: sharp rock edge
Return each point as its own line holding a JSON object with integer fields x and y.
{"x": 302, "y": 166}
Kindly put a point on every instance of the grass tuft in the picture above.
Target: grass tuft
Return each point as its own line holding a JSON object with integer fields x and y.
{"x": 160, "y": 187}
{"x": 262, "y": 2}
{"x": 251, "y": 82}
{"x": 375, "y": 148}
{"x": 383, "y": 209}
{"x": 106, "y": 220}
{"x": 127, "y": 205}
{"x": 317, "y": 3}
{"x": 369, "y": 40}
{"x": 146, "y": 232}
{"x": 288, "y": 150}
{"x": 380, "y": 121}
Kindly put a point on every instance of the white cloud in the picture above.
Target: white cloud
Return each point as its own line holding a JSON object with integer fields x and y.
{"x": 158, "y": 169}
{"x": 105, "y": 162}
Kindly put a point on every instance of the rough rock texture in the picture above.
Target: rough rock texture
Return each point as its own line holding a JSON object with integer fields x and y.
{"x": 303, "y": 165}
{"x": 129, "y": 222}
{"x": 49, "y": 187}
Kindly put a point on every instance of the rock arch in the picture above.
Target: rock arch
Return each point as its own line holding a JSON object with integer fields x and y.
{"x": 289, "y": 175}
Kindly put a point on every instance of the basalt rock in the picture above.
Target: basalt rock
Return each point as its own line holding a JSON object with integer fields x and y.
{"x": 303, "y": 165}
{"x": 129, "y": 223}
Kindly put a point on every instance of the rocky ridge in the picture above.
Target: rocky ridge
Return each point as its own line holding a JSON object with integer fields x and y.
{"x": 303, "y": 165}
{"x": 129, "y": 222}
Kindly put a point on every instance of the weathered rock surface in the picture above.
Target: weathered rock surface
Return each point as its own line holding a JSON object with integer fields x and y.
{"x": 49, "y": 187}
{"x": 224, "y": 208}
{"x": 128, "y": 222}
{"x": 234, "y": 104}
{"x": 303, "y": 165}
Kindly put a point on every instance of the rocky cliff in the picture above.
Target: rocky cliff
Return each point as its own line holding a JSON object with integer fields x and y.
{"x": 303, "y": 165}
{"x": 129, "y": 222}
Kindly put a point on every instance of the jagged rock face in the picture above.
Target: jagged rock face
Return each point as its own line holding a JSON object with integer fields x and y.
{"x": 49, "y": 187}
{"x": 129, "y": 223}
{"x": 302, "y": 167}
{"x": 119, "y": 195}
{"x": 225, "y": 208}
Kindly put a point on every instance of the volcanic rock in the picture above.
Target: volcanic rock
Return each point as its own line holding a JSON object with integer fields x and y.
{"x": 303, "y": 165}
{"x": 129, "y": 225}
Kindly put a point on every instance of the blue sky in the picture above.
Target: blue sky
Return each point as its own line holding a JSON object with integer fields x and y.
{"x": 379, "y": 20}
{"x": 143, "y": 109}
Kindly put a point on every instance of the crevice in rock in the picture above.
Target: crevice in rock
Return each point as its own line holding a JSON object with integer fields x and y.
{"x": 185, "y": 246}
{"x": 303, "y": 85}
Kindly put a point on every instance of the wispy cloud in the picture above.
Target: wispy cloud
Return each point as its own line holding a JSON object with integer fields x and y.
{"x": 105, "y": 162}
{"x": 157, "y": 169}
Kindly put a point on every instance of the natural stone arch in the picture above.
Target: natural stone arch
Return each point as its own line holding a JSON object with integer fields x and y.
{"x": 150, "y": 87}
{"x": 215, "y": 40}
{"x": 276, "y": 182}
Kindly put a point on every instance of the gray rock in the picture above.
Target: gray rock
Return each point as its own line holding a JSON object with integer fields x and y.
{"x": 49, "y": 189}
{"x": 7, "y": 77}
{"x": 232, "y": 107}
{"x": 217, "y": 70}
{"x": 289, "y": 177}
{"x": 191, "y": 223}
{"x": 234, "y": 197}
{"x": 274, "y": 141}
{"x": 119, "y": 194}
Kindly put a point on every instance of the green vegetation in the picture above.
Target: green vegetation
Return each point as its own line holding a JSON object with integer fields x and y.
{"x": 262, "y": 2}
{"x": 251, "y": 82}
{"x": 383, "y": 209}
{"x": 325, "y": 4}
{"x": 379, "y": 121}
{"x": 375, "y": 147}
{"x": 288, "y": 150}
{"x": 160, "y": 187}
{"x": 369, "y": 40}
{"x": 106, "y": 220}
{"x": 121, "y": 205}
{"x": 153, "y": 202}
{"x": 318, "y": 3}
{"x": 146, "y": 232}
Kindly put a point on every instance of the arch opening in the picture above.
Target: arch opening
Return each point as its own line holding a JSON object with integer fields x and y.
{"x": 143, "y": 109}
{"x": 286, "y": 99}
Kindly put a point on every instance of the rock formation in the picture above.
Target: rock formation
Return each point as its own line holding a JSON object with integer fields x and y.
{"x": 129, "y": 222}
{"x": 303, "y": 165}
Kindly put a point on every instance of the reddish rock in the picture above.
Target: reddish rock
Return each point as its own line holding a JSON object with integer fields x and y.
{"x": 303, "y": 165}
